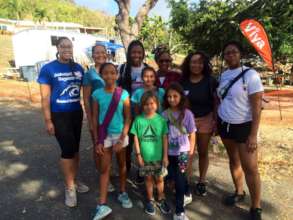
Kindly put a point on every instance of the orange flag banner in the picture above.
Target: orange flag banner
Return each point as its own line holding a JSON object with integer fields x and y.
{"x": 257, "y": 36}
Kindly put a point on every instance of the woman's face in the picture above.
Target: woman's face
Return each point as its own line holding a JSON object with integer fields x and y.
{"x": 109, "y": 75}
{"x": 232, "y": 56}
{"x": 136, "y": 55}
{"x": 65, "y": 50}
{"x": 99, "y": 55}
{"x": 196, "y": 65}
{"x": 149, "y": 78}
{"x": 164, "y": 62}
{"x": 150, "y": 107}
{"x": 173, "y": 98}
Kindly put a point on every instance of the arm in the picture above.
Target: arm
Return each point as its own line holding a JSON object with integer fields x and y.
{"x": 165, "y": 151}
{"x": 127, "y": 122}
{"x": 95, "y": 113}
{"x": 136, "y": 109}
{"x": 255, "y": 102}
{"x": 45, "y": 90}
{"x": 137, "y": 152}
{"x": 192, "y": 141}
{"x": 86, "y": 100}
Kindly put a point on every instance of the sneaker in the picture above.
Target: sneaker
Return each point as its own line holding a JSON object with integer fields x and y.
{"x": 187, "y": 199}
{"x": 111, "y": 188}
{"x": 150, "y": 208}
{"x": 81, "y": 187}
{"x": 70, "y": 197}
{"x": 180, "y": 216}
{"x": 255, "y": 214}
{"x": 124, "y": 200}
{"x": 102, "y": 211}
{"x": 234, "y": 198}
{"x": 201, "y": 189}
{"x": 163, "y": 206}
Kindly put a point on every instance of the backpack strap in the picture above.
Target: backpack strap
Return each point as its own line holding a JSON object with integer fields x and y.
{"x": 240, "y": 75}
{"x": 102, "y": 131}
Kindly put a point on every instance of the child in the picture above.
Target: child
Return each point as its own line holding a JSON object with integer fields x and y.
{"x": 181, "y": 141}
{"x": 111, "y": 105}
{"x": 149, "y": 77}
{"x": 151, "y": 147}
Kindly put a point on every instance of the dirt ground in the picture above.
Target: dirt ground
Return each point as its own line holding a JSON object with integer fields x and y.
{"x": 31, "y": 184}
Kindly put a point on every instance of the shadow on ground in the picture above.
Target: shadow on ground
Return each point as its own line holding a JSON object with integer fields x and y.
{"x": 32, "y": 188}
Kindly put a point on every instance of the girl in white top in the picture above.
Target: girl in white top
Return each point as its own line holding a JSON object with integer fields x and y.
{"x": 238, "y": 121}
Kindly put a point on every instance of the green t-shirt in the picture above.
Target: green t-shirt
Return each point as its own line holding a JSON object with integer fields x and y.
{"x": 150, "y": 132}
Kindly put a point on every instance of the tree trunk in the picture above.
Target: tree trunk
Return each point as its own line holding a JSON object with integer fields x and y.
{"x": 127, "y": 31}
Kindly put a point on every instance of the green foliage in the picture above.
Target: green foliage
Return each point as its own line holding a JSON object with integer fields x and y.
{"x": 54, "y": 10}
{"x": 207, "y": 25}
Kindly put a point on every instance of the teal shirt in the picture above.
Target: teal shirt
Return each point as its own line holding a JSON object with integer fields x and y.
{"x": 104, "y": 98}
{"x": 93, "y": 79}
{"x": 136, "y": 96}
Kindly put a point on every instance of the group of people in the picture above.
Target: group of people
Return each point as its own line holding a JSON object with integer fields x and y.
{"x": 159, "y": 117}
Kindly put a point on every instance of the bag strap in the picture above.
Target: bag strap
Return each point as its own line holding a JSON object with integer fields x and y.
{"x": 113, "y": 106}
{"x": 102, "y": 131}
{"x": 175, "y": 122}
{"x": 240, "y": 75}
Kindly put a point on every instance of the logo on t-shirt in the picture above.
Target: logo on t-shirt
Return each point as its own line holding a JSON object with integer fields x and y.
{"x": 149, "y": 134}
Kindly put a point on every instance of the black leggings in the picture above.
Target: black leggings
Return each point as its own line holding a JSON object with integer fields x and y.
{"x": 181, "y": 183}
{"x": 67, "y": 131}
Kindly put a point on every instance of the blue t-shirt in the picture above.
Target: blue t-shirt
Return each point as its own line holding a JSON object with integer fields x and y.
{"x": 93, "y": 79}
{"x": 138, "y": 93}
{"x": 65, "y": 82}
{"x": 104, "y": 98}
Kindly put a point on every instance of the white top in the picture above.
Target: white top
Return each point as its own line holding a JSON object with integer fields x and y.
{"x": 236, "y": 108}
{"x": 135, "y": 76}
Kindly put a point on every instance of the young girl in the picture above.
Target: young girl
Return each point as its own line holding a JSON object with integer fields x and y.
{"x": 111, "y": 107}
{"x": 181, "y": 140}
{"x": 148, "y": 76}
{"x": 130, "y": 80}
{"x": 200, "y": 89}
{"x": 151, "y": 147}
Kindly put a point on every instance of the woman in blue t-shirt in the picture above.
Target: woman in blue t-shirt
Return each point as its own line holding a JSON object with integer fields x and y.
{"x": 60, "y": 82}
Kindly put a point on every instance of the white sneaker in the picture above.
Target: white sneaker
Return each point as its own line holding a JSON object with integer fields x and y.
{"x": 111, "y": 188}
{"x": 181, "y": 216}
{"x": 81, "y": 187}
{"x": 70, "y": 197}
{"x": 187, "y": 200}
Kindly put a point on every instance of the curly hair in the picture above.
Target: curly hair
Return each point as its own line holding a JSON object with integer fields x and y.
{"x": 160, "y": 50}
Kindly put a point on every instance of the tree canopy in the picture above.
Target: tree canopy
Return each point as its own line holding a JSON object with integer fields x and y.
{"x": 209, "y": 24}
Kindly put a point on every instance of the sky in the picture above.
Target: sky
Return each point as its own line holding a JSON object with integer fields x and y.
{"x": 110, "y": 7}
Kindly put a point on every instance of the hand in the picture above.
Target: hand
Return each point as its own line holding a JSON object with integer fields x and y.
{"x": 50, "y": 127}
{"x": 99, "y": 148}
{"x": 140, "y": 160}
{"x": 251, "y": 143}
{"x": 165, "y": 162}
{"x": 118, "y": 146}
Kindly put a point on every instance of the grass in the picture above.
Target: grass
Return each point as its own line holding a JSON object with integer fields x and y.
{"x": 6, "y": 51}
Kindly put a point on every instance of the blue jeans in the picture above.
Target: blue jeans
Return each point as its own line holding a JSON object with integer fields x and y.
{"x": 181, "y": 183}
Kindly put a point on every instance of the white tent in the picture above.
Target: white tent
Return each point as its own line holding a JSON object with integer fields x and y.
{"x": 34, "y": 46}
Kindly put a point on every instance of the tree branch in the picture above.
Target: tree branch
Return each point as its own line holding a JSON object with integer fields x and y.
{"x": 141, "y": 15}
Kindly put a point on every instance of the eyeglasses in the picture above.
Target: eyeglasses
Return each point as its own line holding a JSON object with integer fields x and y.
{"x": 232, "y": 52}
{"x": 165, "y": 61}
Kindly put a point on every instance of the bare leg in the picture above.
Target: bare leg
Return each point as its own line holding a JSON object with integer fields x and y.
{"x": 149, "y": 184}
{"x": 160, "y": 188}
{"x": 121, "y": 158}
{"x": 105, "y": 174}
{"x": 203, "y": 155}
{"x": 68, "y": 169}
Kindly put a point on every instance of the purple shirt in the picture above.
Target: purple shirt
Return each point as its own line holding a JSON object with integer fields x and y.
{"x": 178, "y": 141}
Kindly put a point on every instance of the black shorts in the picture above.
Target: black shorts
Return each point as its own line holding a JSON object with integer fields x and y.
{"x": 237, "y": 132}
{"x": 67, "y": 131}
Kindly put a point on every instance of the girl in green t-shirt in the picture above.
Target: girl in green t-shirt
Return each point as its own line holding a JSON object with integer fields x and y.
{"x": 151, "y": 147}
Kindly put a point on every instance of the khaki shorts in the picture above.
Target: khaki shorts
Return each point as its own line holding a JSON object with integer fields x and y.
{"x": 112, "y": 139}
